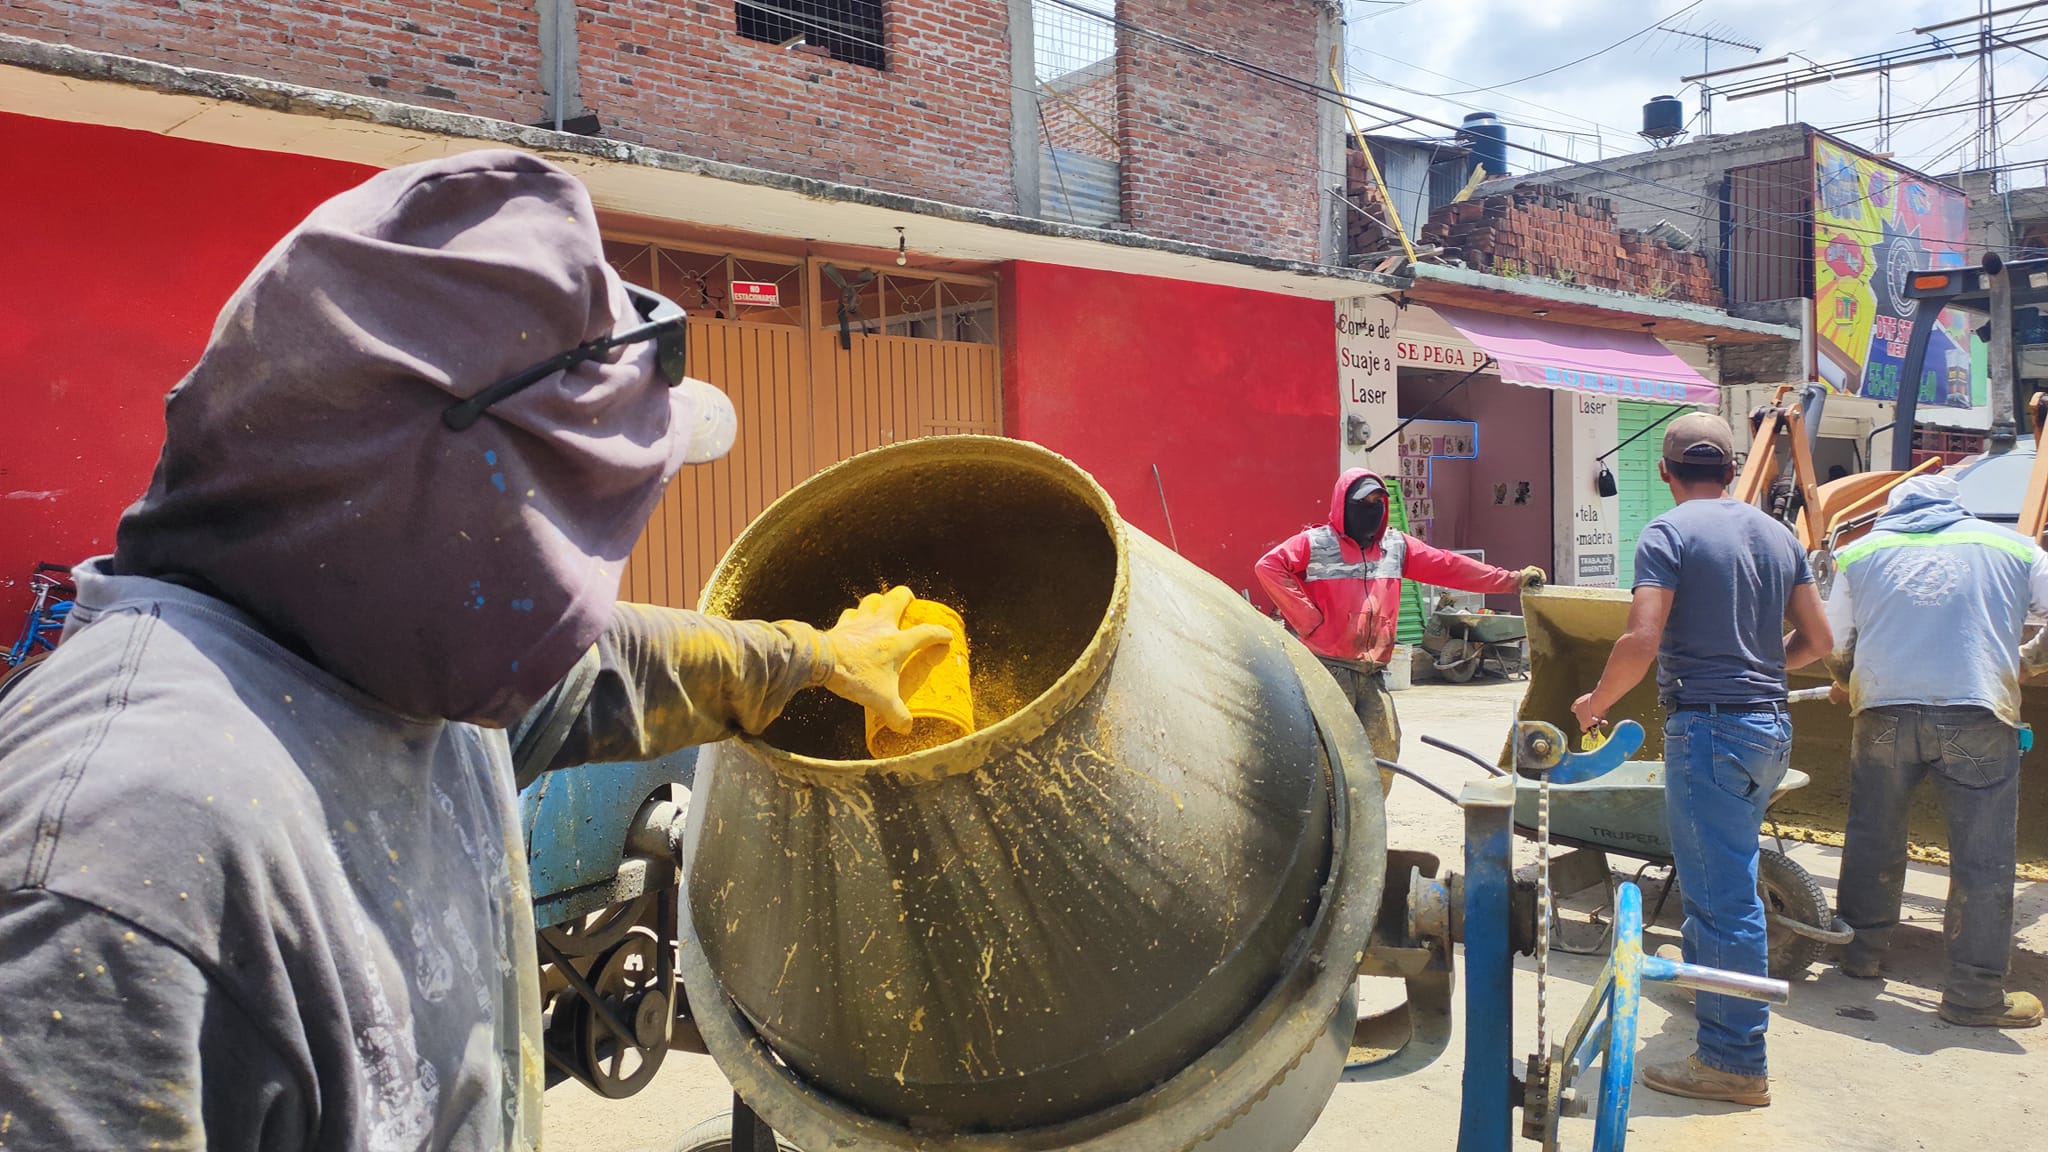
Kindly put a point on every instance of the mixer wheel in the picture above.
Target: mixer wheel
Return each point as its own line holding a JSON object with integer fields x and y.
{"x": 715, "y": 1135}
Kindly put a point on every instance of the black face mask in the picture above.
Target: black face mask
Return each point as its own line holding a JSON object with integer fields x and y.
{"x": 1365, "y": 512}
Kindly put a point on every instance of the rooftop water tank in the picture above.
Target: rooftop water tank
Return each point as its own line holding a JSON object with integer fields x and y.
{"x": 1489, "y": 142}
{"x": 1663, "y": 118}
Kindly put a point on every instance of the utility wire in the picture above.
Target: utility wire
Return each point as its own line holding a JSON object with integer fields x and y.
{"x": 1794, "y": 224}
{"x": 1569, "y": 63}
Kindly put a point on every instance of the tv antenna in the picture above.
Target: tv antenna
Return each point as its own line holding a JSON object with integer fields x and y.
{"x": 1715, "y": 34}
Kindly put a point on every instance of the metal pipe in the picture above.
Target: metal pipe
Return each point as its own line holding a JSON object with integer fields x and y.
{"x": 1453, "y": 749}
{"x": 561, "y": 58}
{"x": 1439, "y": 398}
{"x": 1870, "y": 442}
{"x": 1410, "y": 773}
{"x": 1487, "y": 1105}
{"x": 1715, "y": 980}
{"x": 1171, "y": 534}
{"x": 1908, "y": 403}
{"x": 2003, "y": 362}
{"x": 1883, "y": 491}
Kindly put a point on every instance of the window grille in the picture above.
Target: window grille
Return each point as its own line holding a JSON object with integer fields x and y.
{"x": 851, "y": 30}
{"x": 1074, "y": 54}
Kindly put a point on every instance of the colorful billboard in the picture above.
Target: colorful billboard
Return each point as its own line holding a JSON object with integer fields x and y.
{"x": 1873, "y": 226}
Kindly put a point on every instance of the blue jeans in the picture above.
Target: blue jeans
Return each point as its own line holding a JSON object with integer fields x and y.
{"x": 1974, "y": 760}
{"x": 1719, "y": 772}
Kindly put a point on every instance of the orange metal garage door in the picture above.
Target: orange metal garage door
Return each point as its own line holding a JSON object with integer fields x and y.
{"x": 917, "y": 358}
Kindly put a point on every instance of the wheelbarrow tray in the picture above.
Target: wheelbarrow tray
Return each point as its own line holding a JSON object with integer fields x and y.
{"x": 1621, "y": 812}
{"x": 1483, "y": 627}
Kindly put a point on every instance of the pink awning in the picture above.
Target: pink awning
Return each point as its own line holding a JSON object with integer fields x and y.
{"x": 1571, "y": 358}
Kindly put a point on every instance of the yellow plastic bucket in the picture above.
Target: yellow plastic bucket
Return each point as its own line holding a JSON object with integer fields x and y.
{"x": 936, "y": 686}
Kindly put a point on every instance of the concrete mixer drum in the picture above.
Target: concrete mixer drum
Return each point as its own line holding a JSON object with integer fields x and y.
{"x": 1123, "y": 913}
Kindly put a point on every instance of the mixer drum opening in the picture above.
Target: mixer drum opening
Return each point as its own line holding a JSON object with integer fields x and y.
{"x": 1024, "y": 552}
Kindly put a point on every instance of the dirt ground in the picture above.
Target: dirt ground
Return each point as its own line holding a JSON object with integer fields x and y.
{"x": 1856, "y": 1064}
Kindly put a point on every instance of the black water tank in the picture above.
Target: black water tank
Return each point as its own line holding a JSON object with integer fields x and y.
{"x": 1663, "y": 118}
{"x": 1489, "y": 142}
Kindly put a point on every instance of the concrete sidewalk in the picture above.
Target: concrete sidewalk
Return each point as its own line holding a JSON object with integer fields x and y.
{"x": 1856, "y": 1064}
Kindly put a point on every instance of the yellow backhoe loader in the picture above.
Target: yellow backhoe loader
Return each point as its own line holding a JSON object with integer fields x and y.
{"x": 1571, "y": 630}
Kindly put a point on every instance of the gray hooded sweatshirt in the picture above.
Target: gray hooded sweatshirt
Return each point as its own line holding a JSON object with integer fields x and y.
{"x": 261, "y": 883}
{"x": 1929, "y": 607}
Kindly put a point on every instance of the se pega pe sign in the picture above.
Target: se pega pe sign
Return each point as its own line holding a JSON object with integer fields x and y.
{"x": 1442, "y": 355}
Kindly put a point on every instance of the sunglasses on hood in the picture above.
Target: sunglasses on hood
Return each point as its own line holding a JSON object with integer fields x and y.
{"x": 661, "y": 320}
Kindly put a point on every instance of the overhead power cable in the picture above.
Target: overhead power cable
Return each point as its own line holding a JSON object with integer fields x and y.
{"x": 1640, "y": 32}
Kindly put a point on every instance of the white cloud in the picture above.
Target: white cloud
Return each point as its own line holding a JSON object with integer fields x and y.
{"x": 1440, "y": 47}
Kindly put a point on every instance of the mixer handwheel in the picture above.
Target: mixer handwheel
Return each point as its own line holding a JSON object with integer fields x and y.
{"x": 1605, "y": 1031}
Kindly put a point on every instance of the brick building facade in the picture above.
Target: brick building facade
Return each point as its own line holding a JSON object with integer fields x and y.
{"x": 477, "y": 56}
{"x": 1210, "y": 154}
{"x": 1215, "y": 153}
{"x": 883, "y": 189}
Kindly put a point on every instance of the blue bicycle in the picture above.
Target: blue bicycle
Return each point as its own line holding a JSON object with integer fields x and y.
{"x": 53, "y": 594}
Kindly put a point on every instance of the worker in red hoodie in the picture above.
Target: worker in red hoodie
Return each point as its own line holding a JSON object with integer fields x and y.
{"x": 1338, "y": 586}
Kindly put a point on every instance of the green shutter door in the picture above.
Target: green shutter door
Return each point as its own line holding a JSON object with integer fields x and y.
{"x": 1643, "y": 496}
{"x": 1409, "y": 628}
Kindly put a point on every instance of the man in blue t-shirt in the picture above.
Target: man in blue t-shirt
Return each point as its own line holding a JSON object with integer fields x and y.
{"x": 1716, "y": 580}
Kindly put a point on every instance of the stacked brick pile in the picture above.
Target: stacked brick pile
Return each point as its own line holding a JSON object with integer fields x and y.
{"x": 1367, "y": 231}
{"x": 1544, "y": 231}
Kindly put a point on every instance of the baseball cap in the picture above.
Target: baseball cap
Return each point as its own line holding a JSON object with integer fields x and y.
{"x": 1699, "y": 438}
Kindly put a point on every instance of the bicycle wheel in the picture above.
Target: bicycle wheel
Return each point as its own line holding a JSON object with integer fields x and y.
{"x": 15, "y": 675}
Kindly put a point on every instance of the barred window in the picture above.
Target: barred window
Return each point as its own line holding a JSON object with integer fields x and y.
{"x": 851, "y": 30}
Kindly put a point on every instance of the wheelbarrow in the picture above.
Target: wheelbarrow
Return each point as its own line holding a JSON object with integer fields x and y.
{"x": 1622, "y": 814}
{"x": 1464, "y": 641}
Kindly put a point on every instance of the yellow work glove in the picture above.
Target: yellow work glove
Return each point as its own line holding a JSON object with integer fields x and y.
{"x": 1533, "y": 578}
{"x": 869, "y": 648}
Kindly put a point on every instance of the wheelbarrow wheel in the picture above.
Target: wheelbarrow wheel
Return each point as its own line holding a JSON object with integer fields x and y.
{"x": 1791, "y": 891}
{"x": 1459, "y": 661}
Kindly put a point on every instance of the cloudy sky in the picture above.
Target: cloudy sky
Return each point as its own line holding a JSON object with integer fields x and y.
{"x": 1426, "y": 55}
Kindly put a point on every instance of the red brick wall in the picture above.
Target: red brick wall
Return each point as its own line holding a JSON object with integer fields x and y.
{"x": 1545, "y": 231}
{"x": 1212, "y": 153}
{"x": 936, "y": 123}
{"x": 479, "y": 56}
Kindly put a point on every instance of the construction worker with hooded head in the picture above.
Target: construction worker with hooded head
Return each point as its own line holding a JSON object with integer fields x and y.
{"x": 1338, "y": 587}
{"x": 1928, "y": 611}
{"x": 1716, "y": 581}
{"x": 262, "y": 883}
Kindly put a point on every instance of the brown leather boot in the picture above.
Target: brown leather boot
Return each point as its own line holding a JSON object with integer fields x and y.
{"x": 2020, "y": 1010}
{"x": 1692, "y": 1079}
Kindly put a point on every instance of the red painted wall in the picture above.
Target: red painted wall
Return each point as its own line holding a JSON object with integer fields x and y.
{"x": 124, "y": 247}
{"x": 1233, "y": 394}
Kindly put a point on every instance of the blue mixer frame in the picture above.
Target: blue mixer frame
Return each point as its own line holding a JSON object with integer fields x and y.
{"x": 577, "y": 822}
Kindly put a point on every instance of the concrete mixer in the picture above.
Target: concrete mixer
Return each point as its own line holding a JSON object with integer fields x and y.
{"x": 1128, "y": 911}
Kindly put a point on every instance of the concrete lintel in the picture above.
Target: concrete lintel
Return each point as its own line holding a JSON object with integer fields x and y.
{"x": 1675, "y": 320}
{"x": 62, "y": 83}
